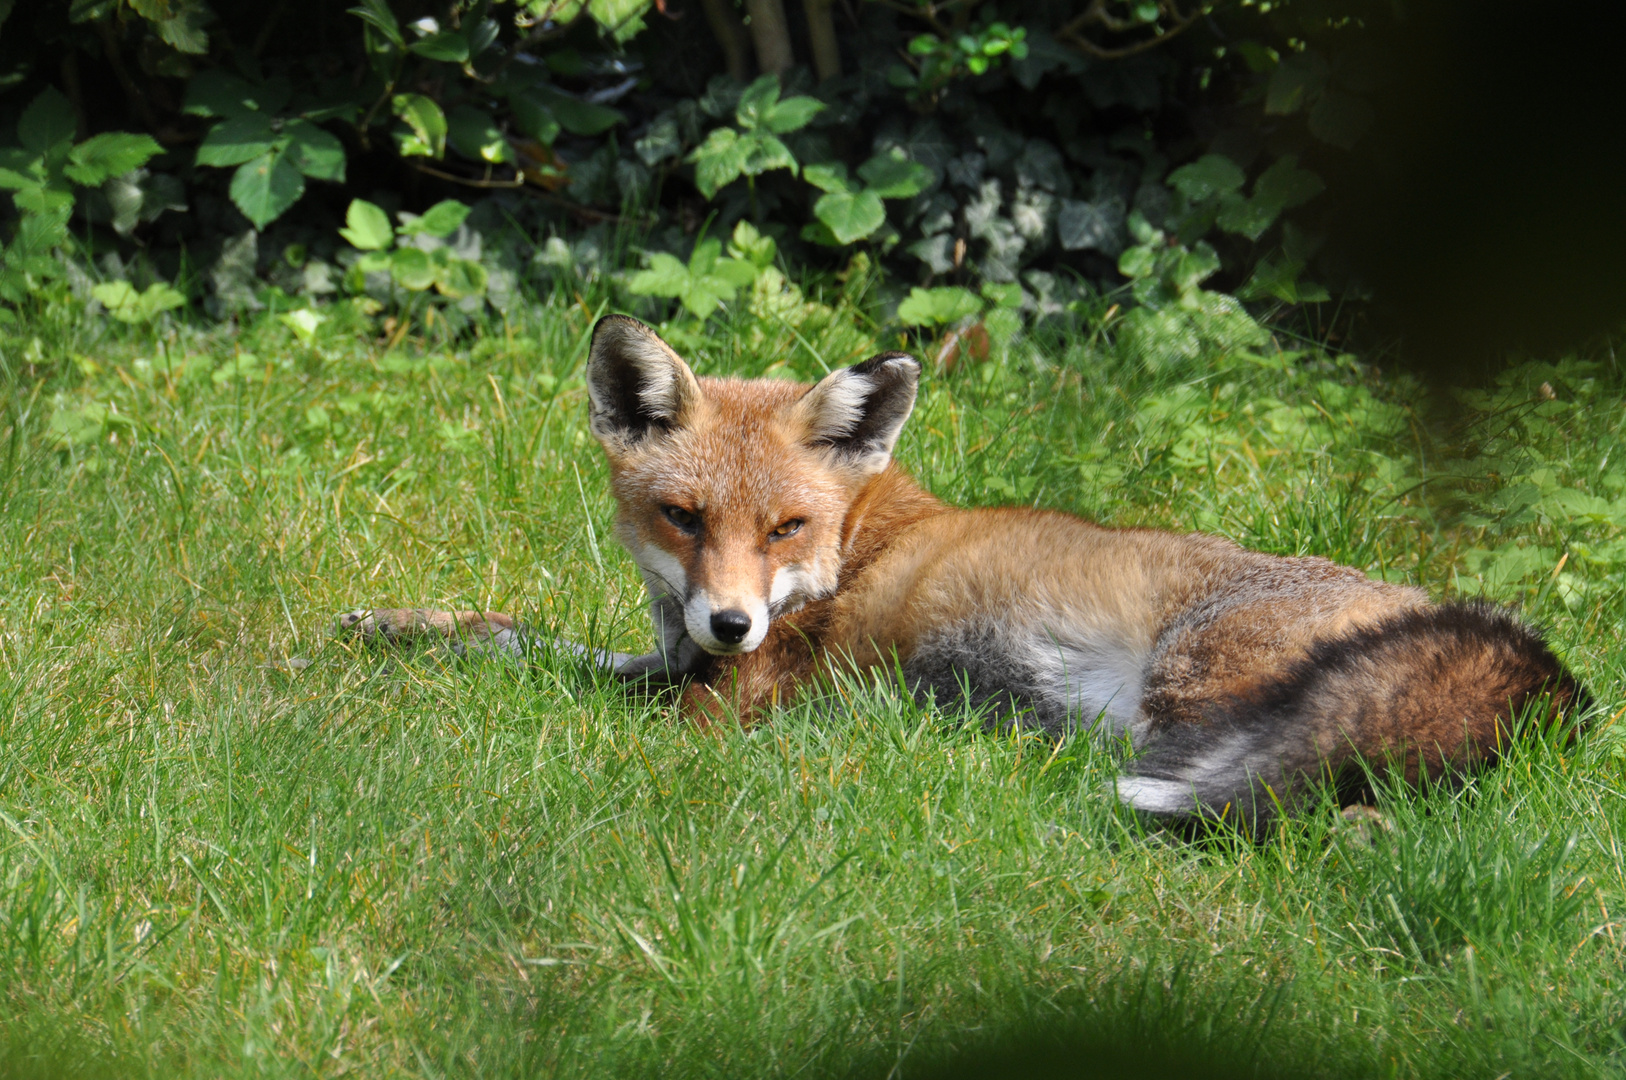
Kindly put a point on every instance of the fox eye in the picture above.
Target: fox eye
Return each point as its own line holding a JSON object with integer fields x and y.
{"x": 686, "y": 520}
{"x": 786, "y": 528}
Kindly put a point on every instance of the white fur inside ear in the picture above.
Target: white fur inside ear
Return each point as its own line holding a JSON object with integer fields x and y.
{"x": 838, "y": 405}
{"x": 628, "y": 364}
{"x": 659, "y": 390}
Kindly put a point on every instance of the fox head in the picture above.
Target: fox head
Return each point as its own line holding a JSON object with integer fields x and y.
{"x": 732, "y": 494}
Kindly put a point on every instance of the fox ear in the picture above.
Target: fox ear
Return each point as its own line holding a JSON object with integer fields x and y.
{"x": 637, "y": 385}
{"x": 857, "y": 412}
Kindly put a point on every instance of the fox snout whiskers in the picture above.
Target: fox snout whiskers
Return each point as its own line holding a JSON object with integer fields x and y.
{"x": 725, "y": 627}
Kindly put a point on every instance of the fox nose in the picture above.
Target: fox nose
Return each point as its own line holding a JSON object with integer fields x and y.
{"x": 730, "y": 626}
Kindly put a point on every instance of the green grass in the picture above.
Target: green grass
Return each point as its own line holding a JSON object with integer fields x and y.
{"x": 215, "y": 864}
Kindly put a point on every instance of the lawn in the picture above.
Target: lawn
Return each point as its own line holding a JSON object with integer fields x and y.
{"x": 235, "y": 844}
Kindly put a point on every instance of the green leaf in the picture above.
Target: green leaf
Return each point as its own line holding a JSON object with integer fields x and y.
{"x": 850, "y": 215}
{"x": 113, "y": 153}
{"x": 442, "y": 219}
{"x": 705, "y": 295}
{"x": 367, "y": 226}
{"x": 474, "y": 134}
{"x": 315, "y": 152}
{"x": 893, "y": 176}
{"x": 1209, "y": 175}
{"x": 304, "y": 323}
{"x": 665, "y": 276}
{"x": 239, "y": 139}
{"x": 265, "y": 187}
{"x": 792, "y": 114}
{"x": 828, "y": 176}
{"x": 127, "y": 305}
{"x": 377, "y": 14}
{"x": 1005, "y": 296}
{"x": 427, "y": 124}
{"x": 1284, "y": 185}
{"x": 757, "y": 102}
{"x": 1191, "y": 268}
{"x": 20, "y": 169}
{"x": 764, "y": 152}
{"x": 412, "y": 269}
{"x": 457, "y": 278}
{"x": 1246, "y": 217}
{"x": 718, "y": 161}
{"x": 938, "y": 307}
{"x": 1137, "y": 262}
{"x": 46, "y": 122}
{"x": 533, "y": 117}
{"x": 749, "y": 244}
{"x": 739, "y": 273}
{"x": 213, "y": 92}
{"x": 704, "y": 256}
{"x": 1297, "y": 81}
{"x": 448, "y": 45}
{"x": 576, "y": 116}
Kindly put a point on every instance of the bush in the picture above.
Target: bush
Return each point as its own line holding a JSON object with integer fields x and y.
{"x": 1026, "y": 146}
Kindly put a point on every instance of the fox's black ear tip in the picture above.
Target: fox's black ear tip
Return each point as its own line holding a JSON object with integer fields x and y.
{"x": 899, "y": 363}
{"x": 617, "y": 321}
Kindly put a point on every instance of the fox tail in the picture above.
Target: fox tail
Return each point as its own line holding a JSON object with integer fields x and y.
{"x": 1432, "y": 693}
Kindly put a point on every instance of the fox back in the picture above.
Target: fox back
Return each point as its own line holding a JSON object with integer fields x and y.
{"x": 778, "y": 540}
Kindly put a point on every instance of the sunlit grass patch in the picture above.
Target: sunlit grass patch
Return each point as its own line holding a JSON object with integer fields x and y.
{"x": 235, "y": 843}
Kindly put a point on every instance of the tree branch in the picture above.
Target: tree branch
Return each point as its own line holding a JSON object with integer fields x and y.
{"x": 1072, "y": 33}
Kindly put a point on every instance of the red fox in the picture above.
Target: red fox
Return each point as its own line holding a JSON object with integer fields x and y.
{"x": 780, "y": 543}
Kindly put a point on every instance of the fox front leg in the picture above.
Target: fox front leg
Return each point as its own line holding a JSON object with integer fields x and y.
{"x": 481, "y": 633}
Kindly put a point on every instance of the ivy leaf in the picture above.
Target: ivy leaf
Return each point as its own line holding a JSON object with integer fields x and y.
{"x": 850, "y": 215}
{"x": 266, "y": 187}
{"x": 441, "y": 220}
{"x": 828, "y": 176}
{"x": 1083, "y": 225}
{"x": 1209, "y": 175}
{"x": 1137, "y": 262}
{"x": 367, "y": 226}
{"x": 112, "y": 153}
{"x": 47, "y": 122}
{"x": 474, "y": 134}
{"x": 237, "y": 140}
{"x": 719, "y": 160}
{"x": 938, "y": 307}
{"x": 893, "y": 176}
{"x": 315, "y": 152}
{"x": 426, "y": 122}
